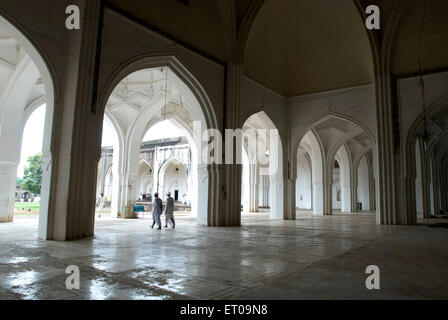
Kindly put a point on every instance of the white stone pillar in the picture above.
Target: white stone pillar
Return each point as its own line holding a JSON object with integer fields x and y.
{"x": 426, "y": 187}
{"x": 218, "y": 213}
{"x": 117, "y": 194}
{"x": 325, "y": 194}
{"x": 419, "y": 166}
{"x": 346, "y": 181}
{"x": 319, "y": 198}
{"x": 156, "y": 172}
{"x": 190, "y": 184}
{"x": 131, "y": 192}
{"x": 289, "y": 199}
{"x": 322, "y": 193}
{"x": 201, "y": 203}
{"x": 253, "y": 187}
{"x": 363, "y": 184}
{"x": 372, "y": 197}
{"x": 102, "y": 176}
{"x": 265, "y": 191}
{"x": 387, "y": 200}
{"x": 426, "y": 184}
{"x": 245, "y": 198}
{"x": 353, "y": 188}
{"x": 8, "y": 176}
{"x": 304, "y": 183}
{"x": 345, "y": 197}
{"x": 276, "y": 197}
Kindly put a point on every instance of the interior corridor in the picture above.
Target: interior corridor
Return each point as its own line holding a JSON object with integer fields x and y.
{"x": 314, "y": 257}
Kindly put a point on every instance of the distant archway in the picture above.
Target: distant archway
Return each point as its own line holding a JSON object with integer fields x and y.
{"x": 146, "y": 180}
{"x": 364, "y": 184}
{"x": 312, "y": 148}
{"x": 344, "y": 162}
{"x": 334, "y": 145}
{"x": 174, "y": 179}
{"x": 265, "y": 159}
{"x": 304, "y": 183}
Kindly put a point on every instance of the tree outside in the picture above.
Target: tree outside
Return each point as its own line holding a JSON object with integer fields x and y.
{"x": 32, "y": 177}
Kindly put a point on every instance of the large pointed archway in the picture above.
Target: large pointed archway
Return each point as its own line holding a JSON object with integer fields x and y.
{"x": 335, "y": 146}
{"x": 149, "y": 91}
{"x": 262, "y": 173}
{"x": 26, "y": 84}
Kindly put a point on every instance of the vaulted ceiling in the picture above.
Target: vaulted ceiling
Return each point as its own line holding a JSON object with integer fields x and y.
{"x": 197, "y": 22}
{"x": 141, "y": 91}
{"x": 296, "y": 47}
{"x": 300, "y": 46}
{"x": 434, "y": 53}
{"x": 334, "y": 133}
{"x": 11, "y": 56}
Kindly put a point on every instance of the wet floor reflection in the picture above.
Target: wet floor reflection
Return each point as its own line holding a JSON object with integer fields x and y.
{"x": 262, "y": 259}
{"x": 22, "y": 283}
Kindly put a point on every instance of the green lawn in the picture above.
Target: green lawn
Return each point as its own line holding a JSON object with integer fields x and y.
{"x": 27, "y": 205}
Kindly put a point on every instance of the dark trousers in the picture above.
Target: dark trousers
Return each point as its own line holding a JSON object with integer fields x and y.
{"x": 170, "y": 219}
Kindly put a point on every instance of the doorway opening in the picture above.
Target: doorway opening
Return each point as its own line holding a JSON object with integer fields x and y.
{"x": 153, "y": 113}
{"x": 26, "y": 114}
{"x": 262, "y": 168}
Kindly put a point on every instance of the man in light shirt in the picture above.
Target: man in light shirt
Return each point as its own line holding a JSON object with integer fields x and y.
{"x": 169, "y": 211}
{"x": 157, "y": 209}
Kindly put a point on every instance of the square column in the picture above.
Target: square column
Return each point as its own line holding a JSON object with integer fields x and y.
{"x": 8, "y": 172}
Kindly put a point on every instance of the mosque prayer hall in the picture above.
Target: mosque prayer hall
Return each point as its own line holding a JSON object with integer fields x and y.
{"x": 280, "y": 149}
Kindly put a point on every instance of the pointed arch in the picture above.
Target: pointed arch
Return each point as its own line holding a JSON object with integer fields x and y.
{"x": 313, "y": 146}
{"x": 41, "y": 68}
{"x": 201, "y": 108}
{"x": 274, "y": 156}
{"x": 345, "y": 164}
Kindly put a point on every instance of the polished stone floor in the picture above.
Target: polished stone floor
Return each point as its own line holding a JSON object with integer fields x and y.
{"x": 310, "y": 258}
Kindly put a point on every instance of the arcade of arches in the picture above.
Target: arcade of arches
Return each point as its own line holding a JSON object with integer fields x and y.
{"x": 362, "y": 118}
{"x": 164, "y": 165}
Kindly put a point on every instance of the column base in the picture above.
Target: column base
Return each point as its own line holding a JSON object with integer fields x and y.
{"x": 128, "y": 213}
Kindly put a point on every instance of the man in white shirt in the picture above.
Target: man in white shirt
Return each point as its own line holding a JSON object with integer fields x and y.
{"x": 157, "y": 209}
{"x": 169, "y": 211}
